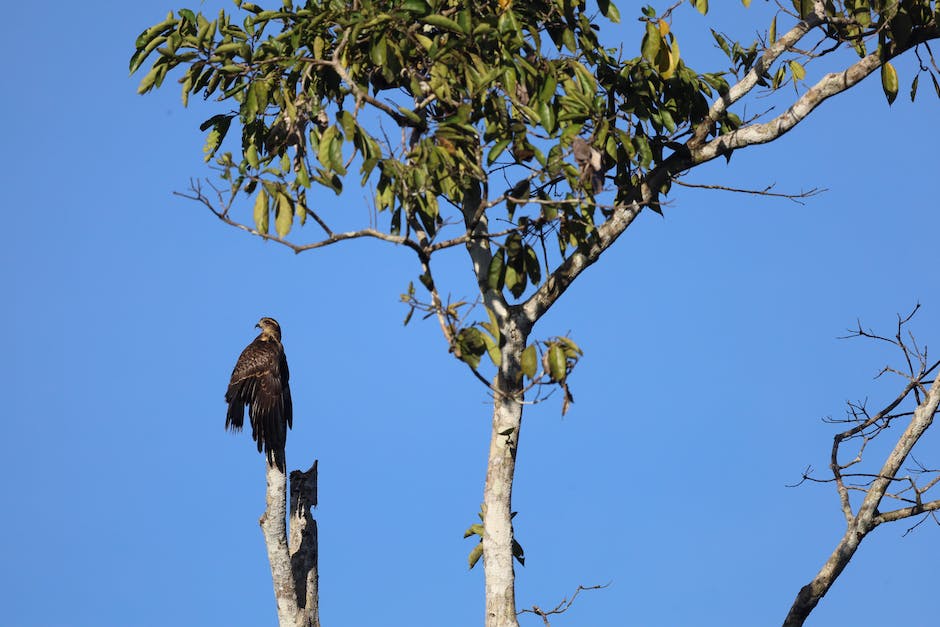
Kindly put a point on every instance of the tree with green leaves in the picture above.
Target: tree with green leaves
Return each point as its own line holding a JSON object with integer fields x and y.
{"x": 506, "y": 129}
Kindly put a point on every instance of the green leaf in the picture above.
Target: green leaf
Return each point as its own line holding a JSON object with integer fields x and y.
{"x": 303, "y": 177}
{"x": 348, "y": 123}
{"x": 261, "y": 211}
{"x": 442, "y": 22}
{"x": 532, "y": 267}
{"x": 513, "y": 246}
{"x": 651, "y": 43}
{"x": 496, "y": 275}
{"x": 411, "y": 116}
{"x": 147, "y": 82}
{"x": 492, "y": 349}
{"x": 557, "y": 364}
{"x": 701, "y": 5}
{"x": 546, "y": 115}
{"x": 799, "y": 73}
{"x": 889, "y": 81}
{"x": 300, "y": 209}
{"x": 914, "y": 87}
{"x": 804, "y": 7}
{"x": 529, "y": 361}
{"x": 567, "y": 40}
{"x": 723, "y": 44}
{"x": 148, "y": 35}
{"x": 475, "y": 555}
{"x": 497, "y": 150}
{"x": 378, "y": 52}
{"x": 336, "y": 154}
{"x": 772, "y": 33}
{"x": 572, "y": 350}
{"x": 415, "y": 6}
{"x": 325, "y": 149}
{"x": 475, "y": 529}
{"x": 251, "y": 156}
{"x": 515, "y": 281}
{"x": 285, "y": 215}
{"x": 493, "y": 325}
{"x": 213, "y": 139}
{"x": 470, "y": 345}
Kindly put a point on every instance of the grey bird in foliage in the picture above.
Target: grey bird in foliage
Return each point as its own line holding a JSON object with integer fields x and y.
{"x": 588, "y": 159}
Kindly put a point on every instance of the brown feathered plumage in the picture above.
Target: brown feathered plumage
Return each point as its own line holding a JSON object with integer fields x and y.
{"x": 260, "y": 380}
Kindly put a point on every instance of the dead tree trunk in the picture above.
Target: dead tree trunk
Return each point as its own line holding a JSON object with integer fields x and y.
{"x": 294, "y": 568}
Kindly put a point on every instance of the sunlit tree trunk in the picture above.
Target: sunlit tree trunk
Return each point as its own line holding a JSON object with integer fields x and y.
{"x": 293, "y": 566}
{"x": 497, "y": 494}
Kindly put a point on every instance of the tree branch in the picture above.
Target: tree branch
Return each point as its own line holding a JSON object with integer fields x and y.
{"x": 828, "y": 86}
{"x": 333, "y": 238}
{"x": 859, "y": 524}
{"x": 906, "y": 512}
{"x": 750, "y": 80}
{"x": 795, "y": 197}
{"x": 563, "y": 606}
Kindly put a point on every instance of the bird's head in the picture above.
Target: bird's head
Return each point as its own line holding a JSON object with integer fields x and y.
{"x": 270, "y": 327}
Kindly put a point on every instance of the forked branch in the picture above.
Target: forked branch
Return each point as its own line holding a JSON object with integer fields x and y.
{"x": 889, "y": 482}
{"x": 563, "y": 606}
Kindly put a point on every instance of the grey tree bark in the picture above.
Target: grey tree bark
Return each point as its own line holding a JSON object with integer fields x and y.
{"x": 294, "y": 568}
{"x": 497, "y": 493}
{"x": 868, "y": 517}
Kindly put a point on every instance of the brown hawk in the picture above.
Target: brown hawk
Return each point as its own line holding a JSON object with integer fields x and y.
{"x": 260, "y": 380}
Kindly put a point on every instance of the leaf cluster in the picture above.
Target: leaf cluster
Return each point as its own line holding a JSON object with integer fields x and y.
{"x": 476, "y": 529}
{"x": 513, "y": 123}
{"x": 882, "y": 27}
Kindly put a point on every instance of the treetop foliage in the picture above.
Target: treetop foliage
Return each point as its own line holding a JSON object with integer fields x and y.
{"x": 506, "y": 125}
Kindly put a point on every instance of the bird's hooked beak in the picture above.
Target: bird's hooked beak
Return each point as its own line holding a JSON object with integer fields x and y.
{"x": 257, "y": 325}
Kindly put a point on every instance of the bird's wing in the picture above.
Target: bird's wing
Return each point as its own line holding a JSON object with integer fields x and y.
{"x": 256, "y": 360}
{"x": 286, "y": 402}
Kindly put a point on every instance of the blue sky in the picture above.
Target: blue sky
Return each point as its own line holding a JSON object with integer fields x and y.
{"x": 711, "y": 355}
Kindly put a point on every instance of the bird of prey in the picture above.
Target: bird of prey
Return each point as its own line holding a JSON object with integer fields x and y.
{"x": 260, "y": 380}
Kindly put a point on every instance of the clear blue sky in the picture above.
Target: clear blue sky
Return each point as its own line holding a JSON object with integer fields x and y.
{"x": 711, "y": 355}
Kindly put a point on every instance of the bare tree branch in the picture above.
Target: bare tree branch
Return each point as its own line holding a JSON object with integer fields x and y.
{"x": 795, "y": 197}
{"x": 563, "y": 606}
{"x": 875, "y": 486}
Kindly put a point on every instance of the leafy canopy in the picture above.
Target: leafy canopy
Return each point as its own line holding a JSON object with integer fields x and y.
{"x": 513, "y": 127}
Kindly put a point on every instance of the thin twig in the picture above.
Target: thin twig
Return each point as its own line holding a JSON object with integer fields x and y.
{"x": 562, "y": 606}
{"x": 795, "y": 197}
